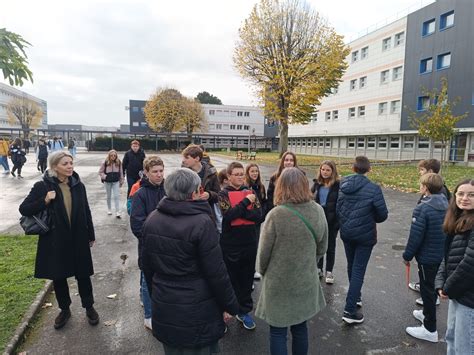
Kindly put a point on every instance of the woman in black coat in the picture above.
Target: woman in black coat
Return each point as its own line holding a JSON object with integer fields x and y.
{"x": 64, "y": 251}
{"x": 455, "y": 278}
{"x": 18, "y": 157}
{"x": 326, "y": 191}
{"x": 191, "y": 287}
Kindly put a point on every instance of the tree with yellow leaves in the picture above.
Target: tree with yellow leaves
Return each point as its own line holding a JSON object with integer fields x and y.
{"x": 194, "y": 119}
{"x": 293, "y": 57}
{"x": 25, "y": 112}
{"x": 437, "y": 121}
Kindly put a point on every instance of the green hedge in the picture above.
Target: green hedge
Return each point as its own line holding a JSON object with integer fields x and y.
{"x": 121, "y": 144}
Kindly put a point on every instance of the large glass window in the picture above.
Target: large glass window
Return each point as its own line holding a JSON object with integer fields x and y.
{"x": 423, "y": 103}
{"x": 428, "y": 27}
{"x": 444, "y": 61}
{"x": 426, "y": 65}
{"x": 446, "y": 20}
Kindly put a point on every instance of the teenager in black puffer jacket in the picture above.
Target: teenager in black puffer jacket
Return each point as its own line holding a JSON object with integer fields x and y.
{"x": 455, "y": 278}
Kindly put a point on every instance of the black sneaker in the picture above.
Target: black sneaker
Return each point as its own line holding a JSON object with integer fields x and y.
{"x": 92, "y": 316}
{"x": 355, "y": 318}
{"x": 13, "y": 174}
{"x": 62, "y": 318}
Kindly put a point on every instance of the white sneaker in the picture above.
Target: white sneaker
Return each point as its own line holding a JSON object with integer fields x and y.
{"x": 109, "y": 212}
{"x": 419, "y": 301}
{"x": 418, "y": 314}
{"x": 147, "y": 323}
{"x": 423, "y": 334}
{"x": 257, "y": 276}
{"x": 118, "y": 215}
{"x": 329, "y": 278}
{"x": 415, "y": 286}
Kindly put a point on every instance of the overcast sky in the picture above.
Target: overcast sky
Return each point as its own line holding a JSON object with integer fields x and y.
{"x": 90, "y": 57}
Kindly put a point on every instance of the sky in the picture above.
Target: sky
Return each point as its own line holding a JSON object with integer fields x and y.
{"x": 90, "y": 57}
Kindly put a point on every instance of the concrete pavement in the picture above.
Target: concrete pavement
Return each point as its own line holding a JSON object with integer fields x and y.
{"x": 388, "y": 304}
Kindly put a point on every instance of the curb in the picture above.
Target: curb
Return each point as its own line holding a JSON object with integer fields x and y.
{"x": 27, "y": 318}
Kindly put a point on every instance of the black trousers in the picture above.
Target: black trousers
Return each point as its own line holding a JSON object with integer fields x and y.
{"x": 17, "y": 166}
{"x": 427, "y": 274}
{"x": 240, "y": 265}
{"x": 61, "y": 289}
{"x": 42, "y": 164}
{"x": 331, "y": 252}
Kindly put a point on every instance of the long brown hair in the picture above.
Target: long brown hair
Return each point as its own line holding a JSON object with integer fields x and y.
{"x": 334, "y": 175}
{"x": 249, "y": 182}
{"x": 292, "y": 186}
{"x": 458, "y": 220}
{"x": 109, "y": 161}
{"x": 282, "y": 163}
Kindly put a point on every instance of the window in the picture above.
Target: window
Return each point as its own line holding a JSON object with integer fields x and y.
{"x": 382, "y": 143}
{"x": 361, "y": 111}
{"x": 327, "y": 115}
{"x": 370, "y": 142}
{"x": 226, "y": 127}
{"x": 212, "y": 126}
{"x": 335, "y": 114}
{"x": 363, "y": 82}
{"x": 397, "y": 73}
{"x": 446, "y": 20}
{"x": 426, "y": 65}
{"x": 135, "y": 124}
{"x": 394, "y": 142}
{"x": 408, "y": 142}
{"x": 246, "y": 127}
{"x": 143, "y": 124}
{"x": 327, "y": 142}
{"x": 395, "y": 106}
{"x": 383, "y": 108}
{"x": 384, "y": 76}
{"x": 239, "y": 127}
{"x": 360, "y": 142}
{"x": 444, "y": 61}
{"x": 142, "y": 109}
{"x": 353, "y": 84}
{"x": 399, "y": 39}
{"x": 352, "y": 112}
{"x": 232, "y": 126}
{"x": 218, "y": 125}
{"x": 355, "y": 56}
{"x": 321, "y": 142}
{"x": 364, "y": 52}
{"x": 351, "y": 142}
{"x": 135, "y": 109}
{"x": 386, "y": 43}
{"x": 423, "y": 143}
{"x": 428, "y": 27}
{"x": 315, "y": 117}
{"x": 212, "y": 112}
{"x": 246, "y": 114}
{"x": 423, "y": 103}
{"x": 335, "y": 90}
{"x": 239, "y": 113}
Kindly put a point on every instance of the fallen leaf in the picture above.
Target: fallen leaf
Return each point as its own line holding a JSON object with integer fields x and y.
{"x": 108, "y": 323}
{"x": 47, "y": 305}
{"x": 112, "y": 296}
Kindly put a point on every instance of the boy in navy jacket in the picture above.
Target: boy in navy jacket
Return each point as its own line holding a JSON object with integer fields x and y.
{"x": 426, "y": 245}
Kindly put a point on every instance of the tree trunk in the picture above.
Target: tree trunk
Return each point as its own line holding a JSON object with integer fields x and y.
{"x": 283, "y": 143}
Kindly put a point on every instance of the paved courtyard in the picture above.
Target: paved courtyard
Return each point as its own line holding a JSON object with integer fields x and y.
{"x": 388, "y": 304}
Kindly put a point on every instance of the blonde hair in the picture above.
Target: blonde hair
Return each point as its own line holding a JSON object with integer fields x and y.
{"x": 292, "y": 186}
{"x": 54, "y": 159}
{"x": 151, "y": 161}
{"x": 109, "y": 161}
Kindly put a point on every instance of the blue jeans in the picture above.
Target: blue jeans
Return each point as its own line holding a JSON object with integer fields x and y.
{"x": 145, "y": 296}
{"x": 299, "y": 343}
{"x": 460, "y": 332}
{"x": 357, "y": 259}
{"x": 4, "y": 162}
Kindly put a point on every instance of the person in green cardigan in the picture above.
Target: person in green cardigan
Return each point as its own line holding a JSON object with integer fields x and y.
{"x": 293, "y": 237}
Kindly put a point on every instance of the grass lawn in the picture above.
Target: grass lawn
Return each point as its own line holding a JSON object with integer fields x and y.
{"x": 18, "y": 287}
{"x": 399, "y": 177}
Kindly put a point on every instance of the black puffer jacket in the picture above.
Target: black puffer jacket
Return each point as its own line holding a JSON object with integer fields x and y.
{"x": 132, "y": 163}
{"x": 64, "y": 251}
{"x": 456, "y": 273}
{"x": 191, "y": 287}
{"x": 331, "y": 202}
{"x": 144, "y": 201}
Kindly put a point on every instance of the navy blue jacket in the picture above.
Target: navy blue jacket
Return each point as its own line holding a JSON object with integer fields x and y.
{"x": 144, "y": 201}
{"x": 426, "y": 240}
{"x": 360, "y": 206}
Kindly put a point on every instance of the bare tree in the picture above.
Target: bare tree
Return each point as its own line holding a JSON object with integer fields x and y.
{"x": 25, "y": 112}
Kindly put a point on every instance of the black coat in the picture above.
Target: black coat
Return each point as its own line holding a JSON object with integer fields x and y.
{"x": 64, "y": 251}
{"x": 191, "y": 287}
{"x": 132, "y": 163}
{"x": 331, "y": 203}
{"x": 456, "y": 273}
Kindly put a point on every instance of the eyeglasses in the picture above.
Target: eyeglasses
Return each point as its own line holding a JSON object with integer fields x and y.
{"x": 238, "y": 175}
{"x": 461, "y": 194}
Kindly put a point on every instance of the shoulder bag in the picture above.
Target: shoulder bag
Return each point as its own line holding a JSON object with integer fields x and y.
{"x": 38, "y": 223}
{"x": 300, "y": 216}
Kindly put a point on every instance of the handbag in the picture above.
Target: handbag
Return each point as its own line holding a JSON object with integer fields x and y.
{"x": 37, "y": 224}
{"x": 296, "y": 213}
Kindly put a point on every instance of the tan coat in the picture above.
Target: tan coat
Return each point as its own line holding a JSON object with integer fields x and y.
{"x": 287, "y": 257}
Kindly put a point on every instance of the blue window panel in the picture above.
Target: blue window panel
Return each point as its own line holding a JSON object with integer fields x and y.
{"x": 426, "y": 65}
{"x": 444, "y": 61}
{"x": 135, "y": 109}
{"x": 423, "y": 103}
{"x": 428, "y": 27}
{"x": 446, "y": 20}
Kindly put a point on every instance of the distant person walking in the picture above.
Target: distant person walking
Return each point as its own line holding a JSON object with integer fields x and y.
{"x": 56, "y": 144}
{"x": 293, "y": 237}
{"x": 111, "y": 174}
{"x": 18, "y": 157}
{"x": 455, "y": 278}
{"x": 64, "y": 251}
{"x": 26, "y": 145}
{"x": 42, "y": 155}
{"x": 4, "y": 152}
{"x": 132, "y": 164}
{"x": 71, "y": 146}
